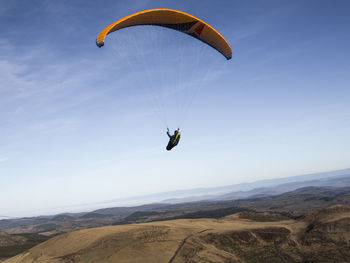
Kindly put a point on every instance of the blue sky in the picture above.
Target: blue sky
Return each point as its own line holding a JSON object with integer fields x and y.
{"x": 78, "y": 126}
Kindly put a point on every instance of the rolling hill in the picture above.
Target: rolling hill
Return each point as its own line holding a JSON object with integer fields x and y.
{"x": 319, "y": 236}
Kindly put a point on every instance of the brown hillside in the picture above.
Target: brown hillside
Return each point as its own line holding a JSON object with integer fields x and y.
{"x": 229, "y": 239}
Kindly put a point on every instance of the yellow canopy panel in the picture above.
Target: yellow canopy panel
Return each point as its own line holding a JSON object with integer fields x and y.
{"x": 173, "y": 19}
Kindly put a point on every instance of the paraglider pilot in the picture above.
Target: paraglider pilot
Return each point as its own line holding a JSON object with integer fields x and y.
{"x": 174, "y": 139}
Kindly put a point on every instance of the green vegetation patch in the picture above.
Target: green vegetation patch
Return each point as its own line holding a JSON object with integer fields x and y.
{"x": 32, "y": 240}
{"x": 11, "y": 251}
{"x": 262, "y": 217}
{"x": 217, "y": 213}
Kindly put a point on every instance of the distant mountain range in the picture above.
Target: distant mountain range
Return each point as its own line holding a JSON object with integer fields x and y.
{"x": 290, "y": 204}
{"x": 269, "y": 187}
{"x": 292, "y": 195}
{"x": 222, "y": 192}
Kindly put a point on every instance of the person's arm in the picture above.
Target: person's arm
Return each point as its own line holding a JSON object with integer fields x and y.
{"x": 168, "y": 133}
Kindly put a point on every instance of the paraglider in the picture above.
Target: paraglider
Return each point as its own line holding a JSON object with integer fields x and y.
{"x": 176, "y": 20}
{"x": 173, "y": 19}
{"x": 173, "y": 139}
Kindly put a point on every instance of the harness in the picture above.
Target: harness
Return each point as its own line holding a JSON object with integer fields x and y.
{"x": 177, "y": 138}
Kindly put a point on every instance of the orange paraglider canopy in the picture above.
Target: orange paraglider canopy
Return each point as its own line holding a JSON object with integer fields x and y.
{"x": 173, "y": 19}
